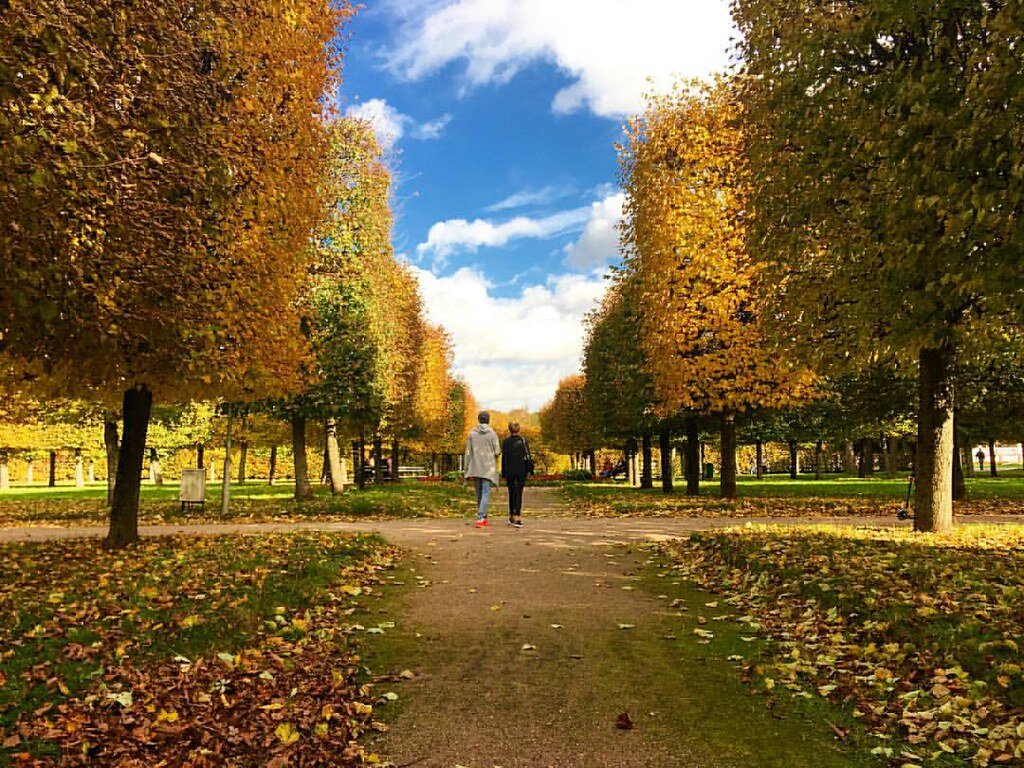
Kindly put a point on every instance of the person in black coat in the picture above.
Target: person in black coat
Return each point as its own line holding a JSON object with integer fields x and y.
{"x": 515, "y": 466}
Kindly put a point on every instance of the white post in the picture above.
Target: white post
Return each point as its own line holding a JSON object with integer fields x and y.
{"x": 5, "y": 477}
{"x": 28, "y": 471}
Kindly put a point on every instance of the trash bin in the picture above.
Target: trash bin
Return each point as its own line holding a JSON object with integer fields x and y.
{"x": 709, "y": 471}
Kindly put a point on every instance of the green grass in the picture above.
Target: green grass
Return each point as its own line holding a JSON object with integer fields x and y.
{"x": 874, "y": 619}
{"x": 74, "y": 611}
{"x": 782, "y": 496}
{"x": 252, "y": 502}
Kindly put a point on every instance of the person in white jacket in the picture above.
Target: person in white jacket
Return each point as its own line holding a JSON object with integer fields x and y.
{"x": 482, "y": 452}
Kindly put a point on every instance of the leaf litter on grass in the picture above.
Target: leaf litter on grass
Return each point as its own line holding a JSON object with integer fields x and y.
{"x": 187, "y": 652}
{"x": 917, "y": 635}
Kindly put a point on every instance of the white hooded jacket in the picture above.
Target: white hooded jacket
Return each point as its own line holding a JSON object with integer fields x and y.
{"x": 482, "y": 452}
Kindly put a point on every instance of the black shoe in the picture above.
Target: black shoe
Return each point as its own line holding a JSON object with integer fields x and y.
{"x": 516, "y": 523}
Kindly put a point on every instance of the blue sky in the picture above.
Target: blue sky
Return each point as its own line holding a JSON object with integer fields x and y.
{"x": 502, "y": 118}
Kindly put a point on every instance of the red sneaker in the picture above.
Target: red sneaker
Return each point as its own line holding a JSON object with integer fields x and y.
{"x": 480, "y": 523}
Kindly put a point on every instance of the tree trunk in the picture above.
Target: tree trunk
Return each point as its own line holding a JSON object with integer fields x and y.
{"x": 303, "y": 490}
{"x": 959, "y": 486}
{"x": 794, "y": 459}
{"x": 53, "y": 469}
{"x": 92, "y": 472}
{"x": 212, "y": 471}
{"x": 378, "y": 459}
{"x": 665, "y": 449}
{"x": 337, "y": 484}
{"x": 30, "y": 470}
{"x": 434, "y": 470}
{"x": 646, "y": 475}
{"x": 200, "y": 456}
{"x": 79, "y": 469}
{"x": 966, "y": 460}
{"x": 862, "y": 466}
{"x": 395, "y": 459}
{"x": 935, "y": 441}
{"x": 155, "y": 475}
{"x": 849, "y": 459}
{"x": 124, "y": 509}
{"x": 869, "y": 457}
{"x": 243, "y": 455}
{"x": 818, "y": 450}
{"x": 891, "y": 455}
{"x": 693, "y": 467}
{"x": 225, "y": 486}
{"x": 992, "y": 469}
{"x": 759, "y": 458}
{"x": 728, "y": 480}
{"x": 357, "y": 463}
{"x": 5, "y": 475}
{"x": 592, "y": 460}
{"x": 272, "y": 471}
{"x": 362, "y": 463}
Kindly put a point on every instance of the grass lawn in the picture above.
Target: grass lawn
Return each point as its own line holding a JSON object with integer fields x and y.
{"x": 252, "y": 502}
{"x": 108, "y": 655}
{"x": 917, "y": 637}
{"x": 780, "y": 496}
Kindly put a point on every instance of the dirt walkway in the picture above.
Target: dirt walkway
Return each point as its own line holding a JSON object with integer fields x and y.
{"x": 529, "y": 644}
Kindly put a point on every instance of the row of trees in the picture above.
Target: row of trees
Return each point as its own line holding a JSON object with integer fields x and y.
{"x": 826, "y": 245}
{"x": 185, "y": 219}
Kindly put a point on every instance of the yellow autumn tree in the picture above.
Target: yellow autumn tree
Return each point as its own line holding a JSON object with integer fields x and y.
{"x": 684, "y": 236}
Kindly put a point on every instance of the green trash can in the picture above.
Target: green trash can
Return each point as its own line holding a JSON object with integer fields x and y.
{"x": 709, "y": 471}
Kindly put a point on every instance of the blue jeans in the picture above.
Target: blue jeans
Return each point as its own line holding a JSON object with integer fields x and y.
{"x": 483, "y": 496}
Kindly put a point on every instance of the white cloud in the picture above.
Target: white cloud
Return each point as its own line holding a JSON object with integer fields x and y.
{"x": 599, "y": 243}
{"x": 447, "y": 238}
{"x": 610, "y": 49}
{"x": 512, "y": 351}
{"x": 390, "y": 125}
{"x": 528, "y": 197}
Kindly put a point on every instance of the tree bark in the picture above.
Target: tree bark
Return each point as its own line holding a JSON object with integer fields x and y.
{"x": 934, "y": 459}
{"x": 993, "y": 471}
{"x": 378, "y": 459}
{"x": 155, "y": 475}
{"x": 53, "y": 469}
{"x": 395, "y": 459}
{"x": 272, "y": 471}
{"x": 693, "y": 467}
{"x": 334, "y": 458}
{"x": 818, "y": 450}
{"x": 124, "y": 509}
{"x": 646, "y": 475}
{"x": 794, "y": 459}
{"x": 361, "y": 480}
{"x": 200, "y": 456}
{"x": 665, "y": 449}
{"x": 759, "y": 458}
{"x": 92, "y": 472}
{"x": 862, "y": 465}
{"x": 728, "y": 480}
{"x": 225, "y": 486}
{"x": 79, "y": 469}
{"x": 29, "y": 479}
{"x": 966, "y": 460}
{"x": 5, "y": 475}
{"x": 303, "y": 490}
{"x": 869, "y": 457}
{"x": 243, "y": 455}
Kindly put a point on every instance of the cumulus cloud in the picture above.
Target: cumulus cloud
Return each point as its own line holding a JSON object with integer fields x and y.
{"x": 599, "y": 243}
{"x": 512, "y": 350}
{"x": 390, "y": 125}
{"x": 447, "y": 238}
{"x": 612, "y": 51}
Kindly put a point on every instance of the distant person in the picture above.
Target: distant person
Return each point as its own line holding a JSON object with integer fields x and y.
{"x": 981, "y": 459}
{"x": 606, "y": 468}
{"x": 515, "y": 461}
{"x": 482, "y": 452}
